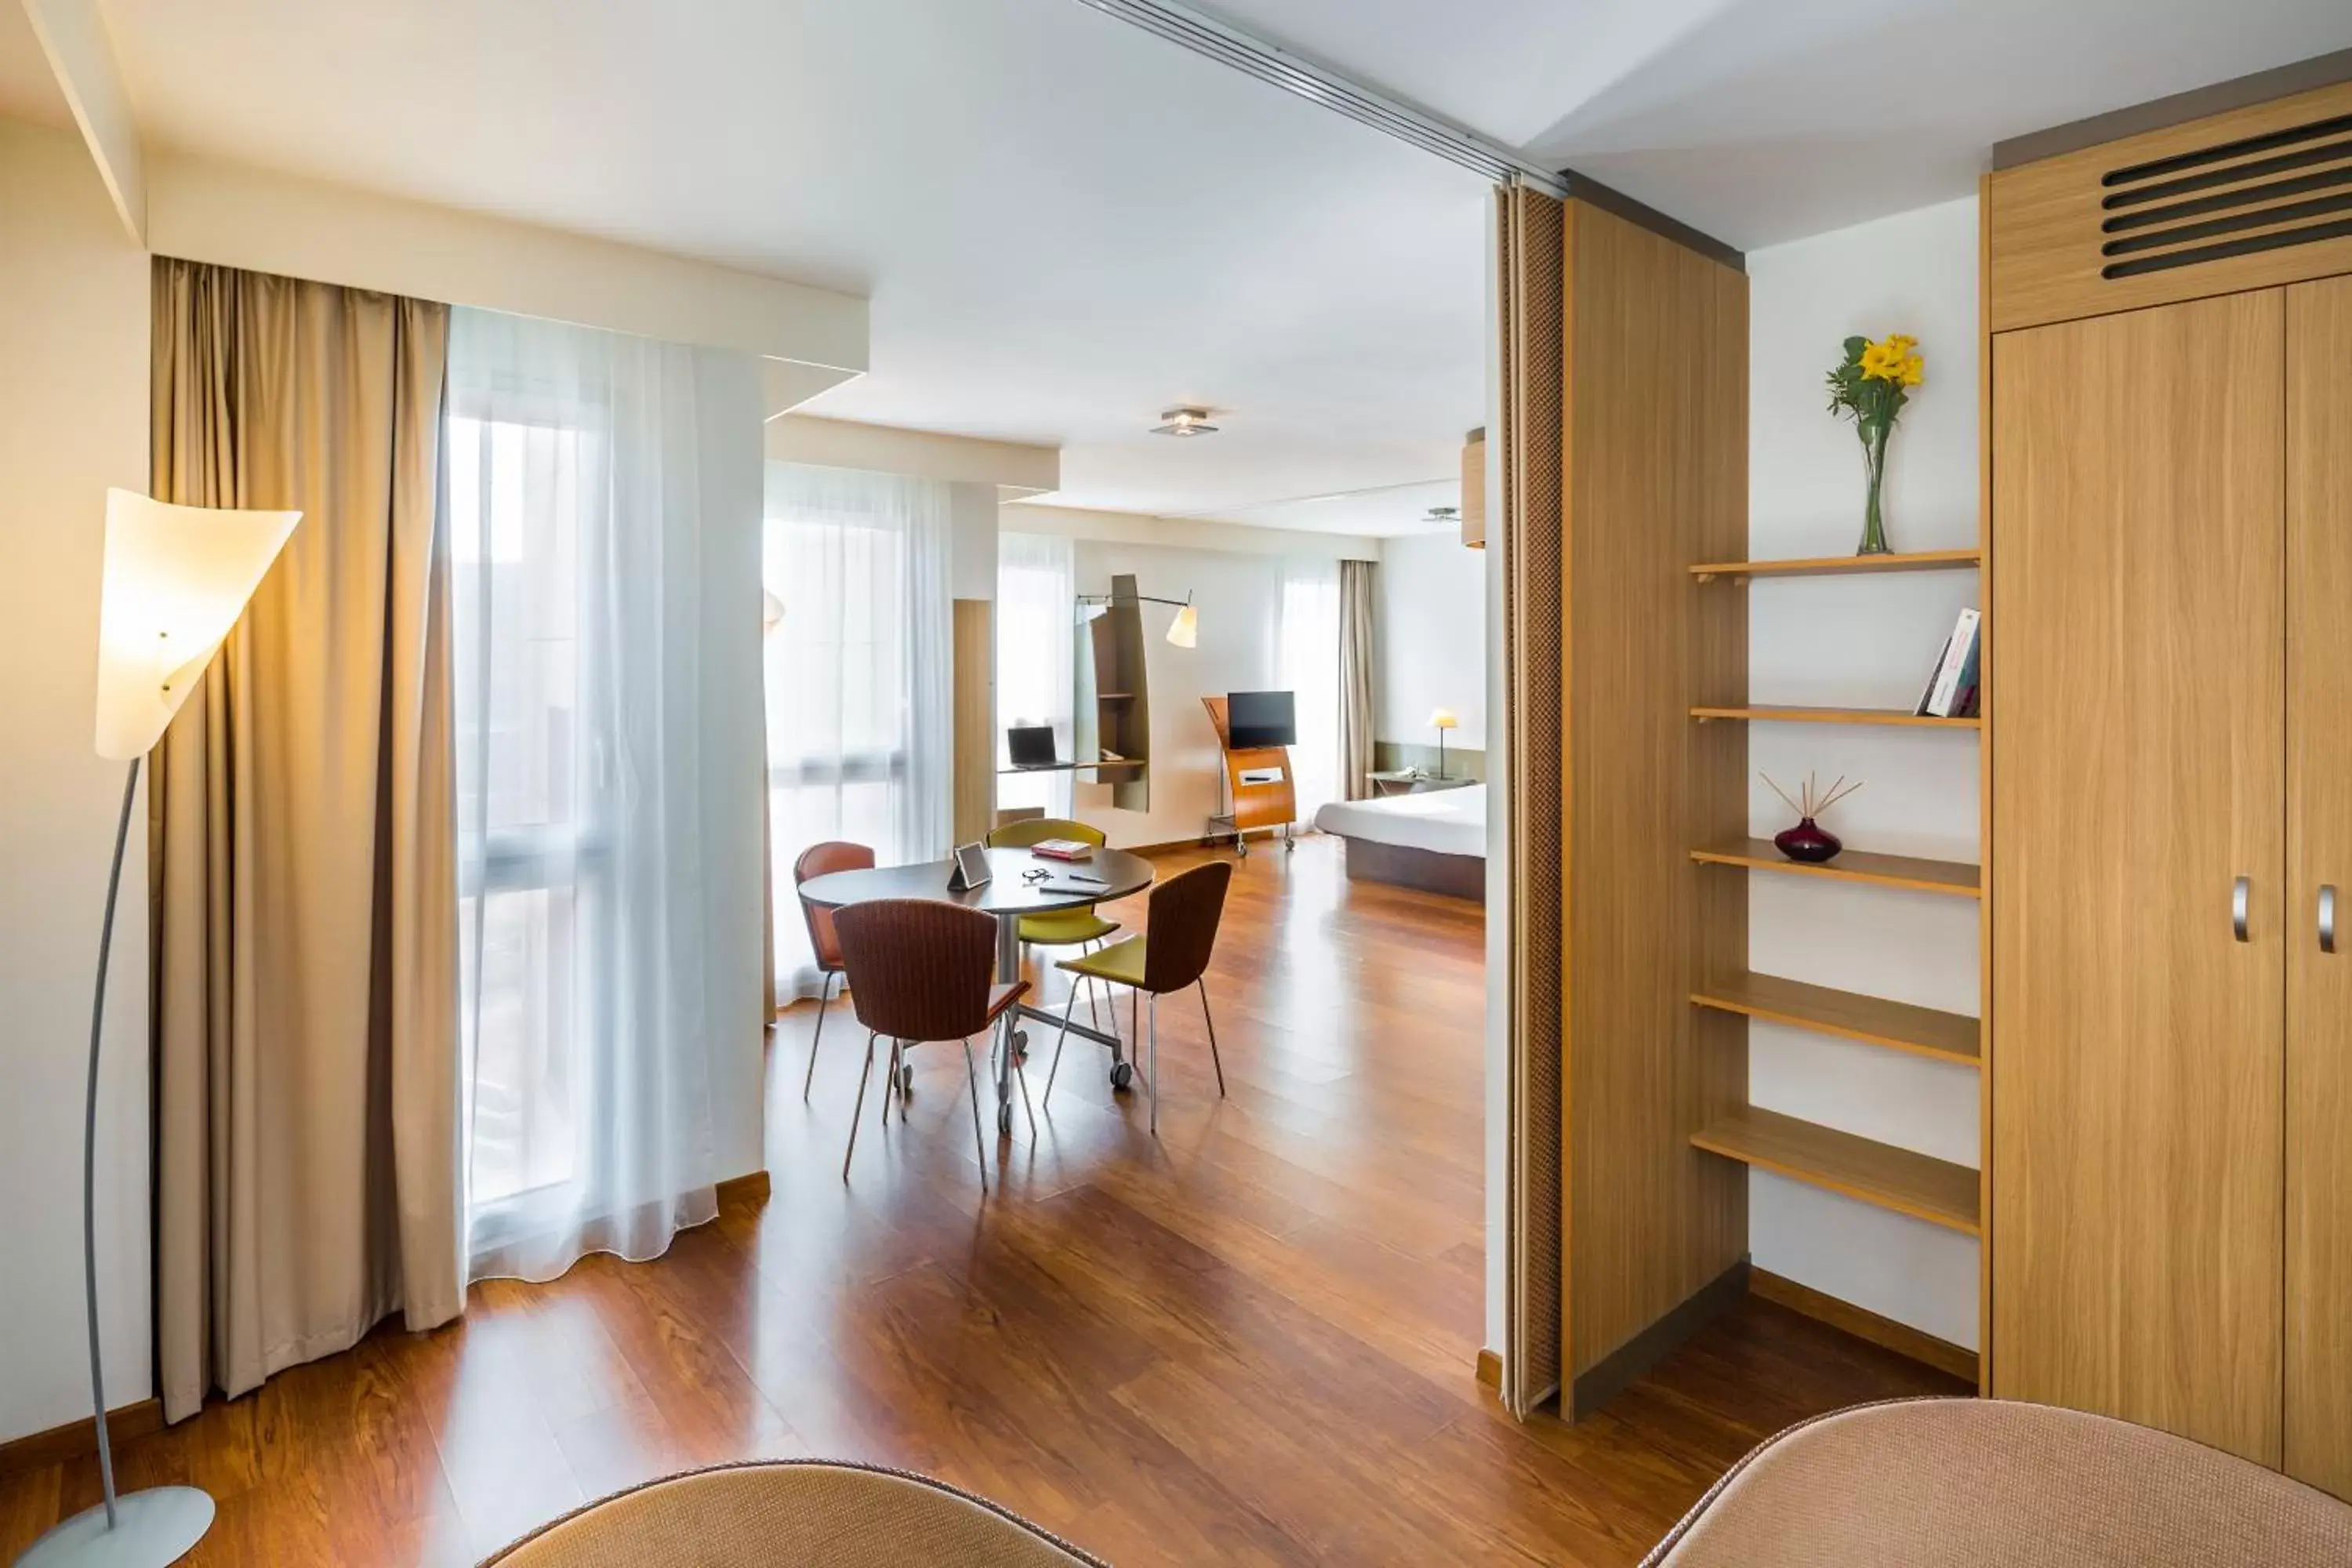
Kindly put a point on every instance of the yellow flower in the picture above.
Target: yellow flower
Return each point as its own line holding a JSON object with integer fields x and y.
{"x": 1894, "y": 360}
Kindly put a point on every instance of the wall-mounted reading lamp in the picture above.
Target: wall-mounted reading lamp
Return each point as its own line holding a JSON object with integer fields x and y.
{"x": 1184, "y": 631}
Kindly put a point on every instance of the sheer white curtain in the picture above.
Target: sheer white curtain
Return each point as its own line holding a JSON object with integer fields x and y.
{"x": 574, "y": 496}
{"x": 1310, "y": 669}
{"x": 860, "y": 734}
{"x": 1037, "y": 647}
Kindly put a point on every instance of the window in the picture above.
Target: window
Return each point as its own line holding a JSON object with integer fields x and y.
{"x": 515, "y": 593}
{"x": 856, "y": 670}
{"x": 1036, "y": 644}
{"x": 1310, "y": 669}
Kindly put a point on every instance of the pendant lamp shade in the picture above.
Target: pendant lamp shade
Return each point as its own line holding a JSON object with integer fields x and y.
{"x": 177, "y": 578}
{"x": 1184, "y": 631}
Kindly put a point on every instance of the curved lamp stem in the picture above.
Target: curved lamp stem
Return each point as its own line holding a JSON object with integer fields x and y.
{"x": 90, "y": 1147}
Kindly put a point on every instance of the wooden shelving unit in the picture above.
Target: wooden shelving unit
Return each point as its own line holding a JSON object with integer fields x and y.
{"x": 1874, "y": 1020}
{"x": 1840, "y": 565}
{"x": 1727, "y": 996}
{"x": 1918, "y": 1184}
{"x": 1902, "y": 717}
{"x": 1908, "y": 871}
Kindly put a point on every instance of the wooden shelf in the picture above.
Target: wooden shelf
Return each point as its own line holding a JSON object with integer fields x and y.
{"x": 1874, "y": 1020}
{"x": 1916, "y": 1185}
{"x": 1901, "y": 716}
{"x": 1852, "y": 865}
{"x": 1841, "y": 565}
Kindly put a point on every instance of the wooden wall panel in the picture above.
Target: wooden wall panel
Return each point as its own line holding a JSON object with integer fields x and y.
{"x": 1654, "y": 476}
{"x": 2138, "y": 541}
{"x": 2319, "y": 853}
{"x": 2045, "y": 217}
{"x": 974, "y": 652}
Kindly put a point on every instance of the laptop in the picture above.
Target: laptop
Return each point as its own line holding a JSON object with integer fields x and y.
{"x": 1031, "y": 745}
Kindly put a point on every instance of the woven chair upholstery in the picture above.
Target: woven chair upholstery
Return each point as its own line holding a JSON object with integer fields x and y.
{"x": 820, "y": 860}
{"x": 802, "y": 1513}
{"x": 921, "y": 969}
{"x": 1996, "y": 1483}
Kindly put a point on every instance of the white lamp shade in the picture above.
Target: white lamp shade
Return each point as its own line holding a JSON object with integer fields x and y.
{"x": 1444, "y": 719}
{"x": 177, "y": 578}
{"x": 1184, "y": 631}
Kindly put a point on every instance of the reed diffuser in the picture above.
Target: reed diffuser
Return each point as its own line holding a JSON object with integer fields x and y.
{"x": 1809, "y": 842}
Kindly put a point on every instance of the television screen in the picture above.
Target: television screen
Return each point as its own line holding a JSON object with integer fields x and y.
{"x": 1260, "y": 719}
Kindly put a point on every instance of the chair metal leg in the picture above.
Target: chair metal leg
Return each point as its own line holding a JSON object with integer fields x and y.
{"x": 854, "y": 1116}
{"x": 1021, "y": 1075}
{"x": 1154, "y": 1073}
{"x": 890, "y": 1085}
{"x": 824, "y": 998}
{"x": 1069, "y": 1003}
{"x": 1202, "y": 986}
{"x": 979, "y": 1138}
{"x": 1091, "y": 983}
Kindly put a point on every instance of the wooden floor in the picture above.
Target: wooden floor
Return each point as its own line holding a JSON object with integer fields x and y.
{"x": 1251, "y": 1341}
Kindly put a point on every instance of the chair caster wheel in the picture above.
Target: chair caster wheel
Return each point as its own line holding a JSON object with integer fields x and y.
{"x": 1122, "y": 1077}
{"x": 1020, "y": 1046}
{"x": 1004, "y": 1121}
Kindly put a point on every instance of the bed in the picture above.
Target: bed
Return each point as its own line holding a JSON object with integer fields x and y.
{"x": 1435, "y": 840}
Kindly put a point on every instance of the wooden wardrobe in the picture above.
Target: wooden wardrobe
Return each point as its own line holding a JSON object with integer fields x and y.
{"x": 2168, "y": 430}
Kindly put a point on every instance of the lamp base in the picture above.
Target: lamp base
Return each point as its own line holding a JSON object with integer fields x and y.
{"x": 151, "y": 1528}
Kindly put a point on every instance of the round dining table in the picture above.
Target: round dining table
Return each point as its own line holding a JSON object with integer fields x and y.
{"x": 1020, "y": 882}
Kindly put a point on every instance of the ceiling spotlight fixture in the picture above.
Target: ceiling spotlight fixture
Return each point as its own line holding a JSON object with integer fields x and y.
{"x": 1446, "y": 515}
{"x": 1184, "y": 421}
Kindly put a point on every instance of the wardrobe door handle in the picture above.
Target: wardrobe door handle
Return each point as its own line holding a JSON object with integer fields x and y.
{"x": 2240, "y": 892}
{"x": 2327, "y": 917}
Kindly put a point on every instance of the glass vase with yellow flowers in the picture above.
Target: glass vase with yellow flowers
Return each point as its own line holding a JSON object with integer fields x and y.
{"x": 1870, "y": 386}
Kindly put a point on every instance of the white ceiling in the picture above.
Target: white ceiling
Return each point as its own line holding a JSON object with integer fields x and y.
{"x": 1763, "y": 121}
{"x": 1065, "y": 225}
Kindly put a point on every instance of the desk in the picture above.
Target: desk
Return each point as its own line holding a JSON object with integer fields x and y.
{"x": 1008, "y": 897}
{"x": 1412, "y": 781}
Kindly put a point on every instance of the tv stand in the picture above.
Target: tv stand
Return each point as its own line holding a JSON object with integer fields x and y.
{"x": 1256, "y": 780}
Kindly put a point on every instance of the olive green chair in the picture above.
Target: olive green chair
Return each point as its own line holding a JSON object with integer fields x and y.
{"x": 1081, "y": 928}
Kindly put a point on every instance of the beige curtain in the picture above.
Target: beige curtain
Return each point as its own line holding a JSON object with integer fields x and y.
{"x": 302, "y": 842}
{"x": 1355, "y": 654}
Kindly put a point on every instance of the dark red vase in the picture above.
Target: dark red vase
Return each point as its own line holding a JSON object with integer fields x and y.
{"x": 1808, "y": 842}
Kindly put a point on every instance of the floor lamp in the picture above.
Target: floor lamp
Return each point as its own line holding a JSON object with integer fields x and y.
{"x": 175, "y": 580}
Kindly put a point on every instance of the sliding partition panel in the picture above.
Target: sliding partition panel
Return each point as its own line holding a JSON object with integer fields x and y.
{"x": 2137, "y": 893}
{"x": 1527, "y": 525}
{"x": 2319, "y": 860}
{"x": 1655, "y": 478}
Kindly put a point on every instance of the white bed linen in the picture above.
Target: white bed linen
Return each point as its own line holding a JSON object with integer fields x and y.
{"x": 1449, "y": 821}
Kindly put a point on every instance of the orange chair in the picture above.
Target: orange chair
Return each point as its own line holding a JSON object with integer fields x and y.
{"x": 818, "y": 860}
{"x": 922, "y": 970}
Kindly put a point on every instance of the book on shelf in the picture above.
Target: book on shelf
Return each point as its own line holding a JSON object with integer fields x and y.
{"x": 1951, "y": 690}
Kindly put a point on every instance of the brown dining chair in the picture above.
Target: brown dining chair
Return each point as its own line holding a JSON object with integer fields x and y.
{"x": 818, "y": 860}
{"x": 1179, "y": 933}
{"x": 1080, "y": 927}
{"x": 922, "y": 970}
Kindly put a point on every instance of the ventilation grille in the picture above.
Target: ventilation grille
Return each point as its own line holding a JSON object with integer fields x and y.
{"x": 2271, "y": 192}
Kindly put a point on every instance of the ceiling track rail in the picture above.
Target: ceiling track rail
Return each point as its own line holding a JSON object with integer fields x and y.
{"x": 1319, "y": 85}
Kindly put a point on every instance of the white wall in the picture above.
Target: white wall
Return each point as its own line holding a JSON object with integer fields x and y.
{"x": 1240, "y": 601}
{"x": 971, "y": 540}
{"x": 1432, "y": 632}
{"x": 1234, "y": 574}
{"x": 73, "y": 420}
{"x": 1864, "y": 642}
